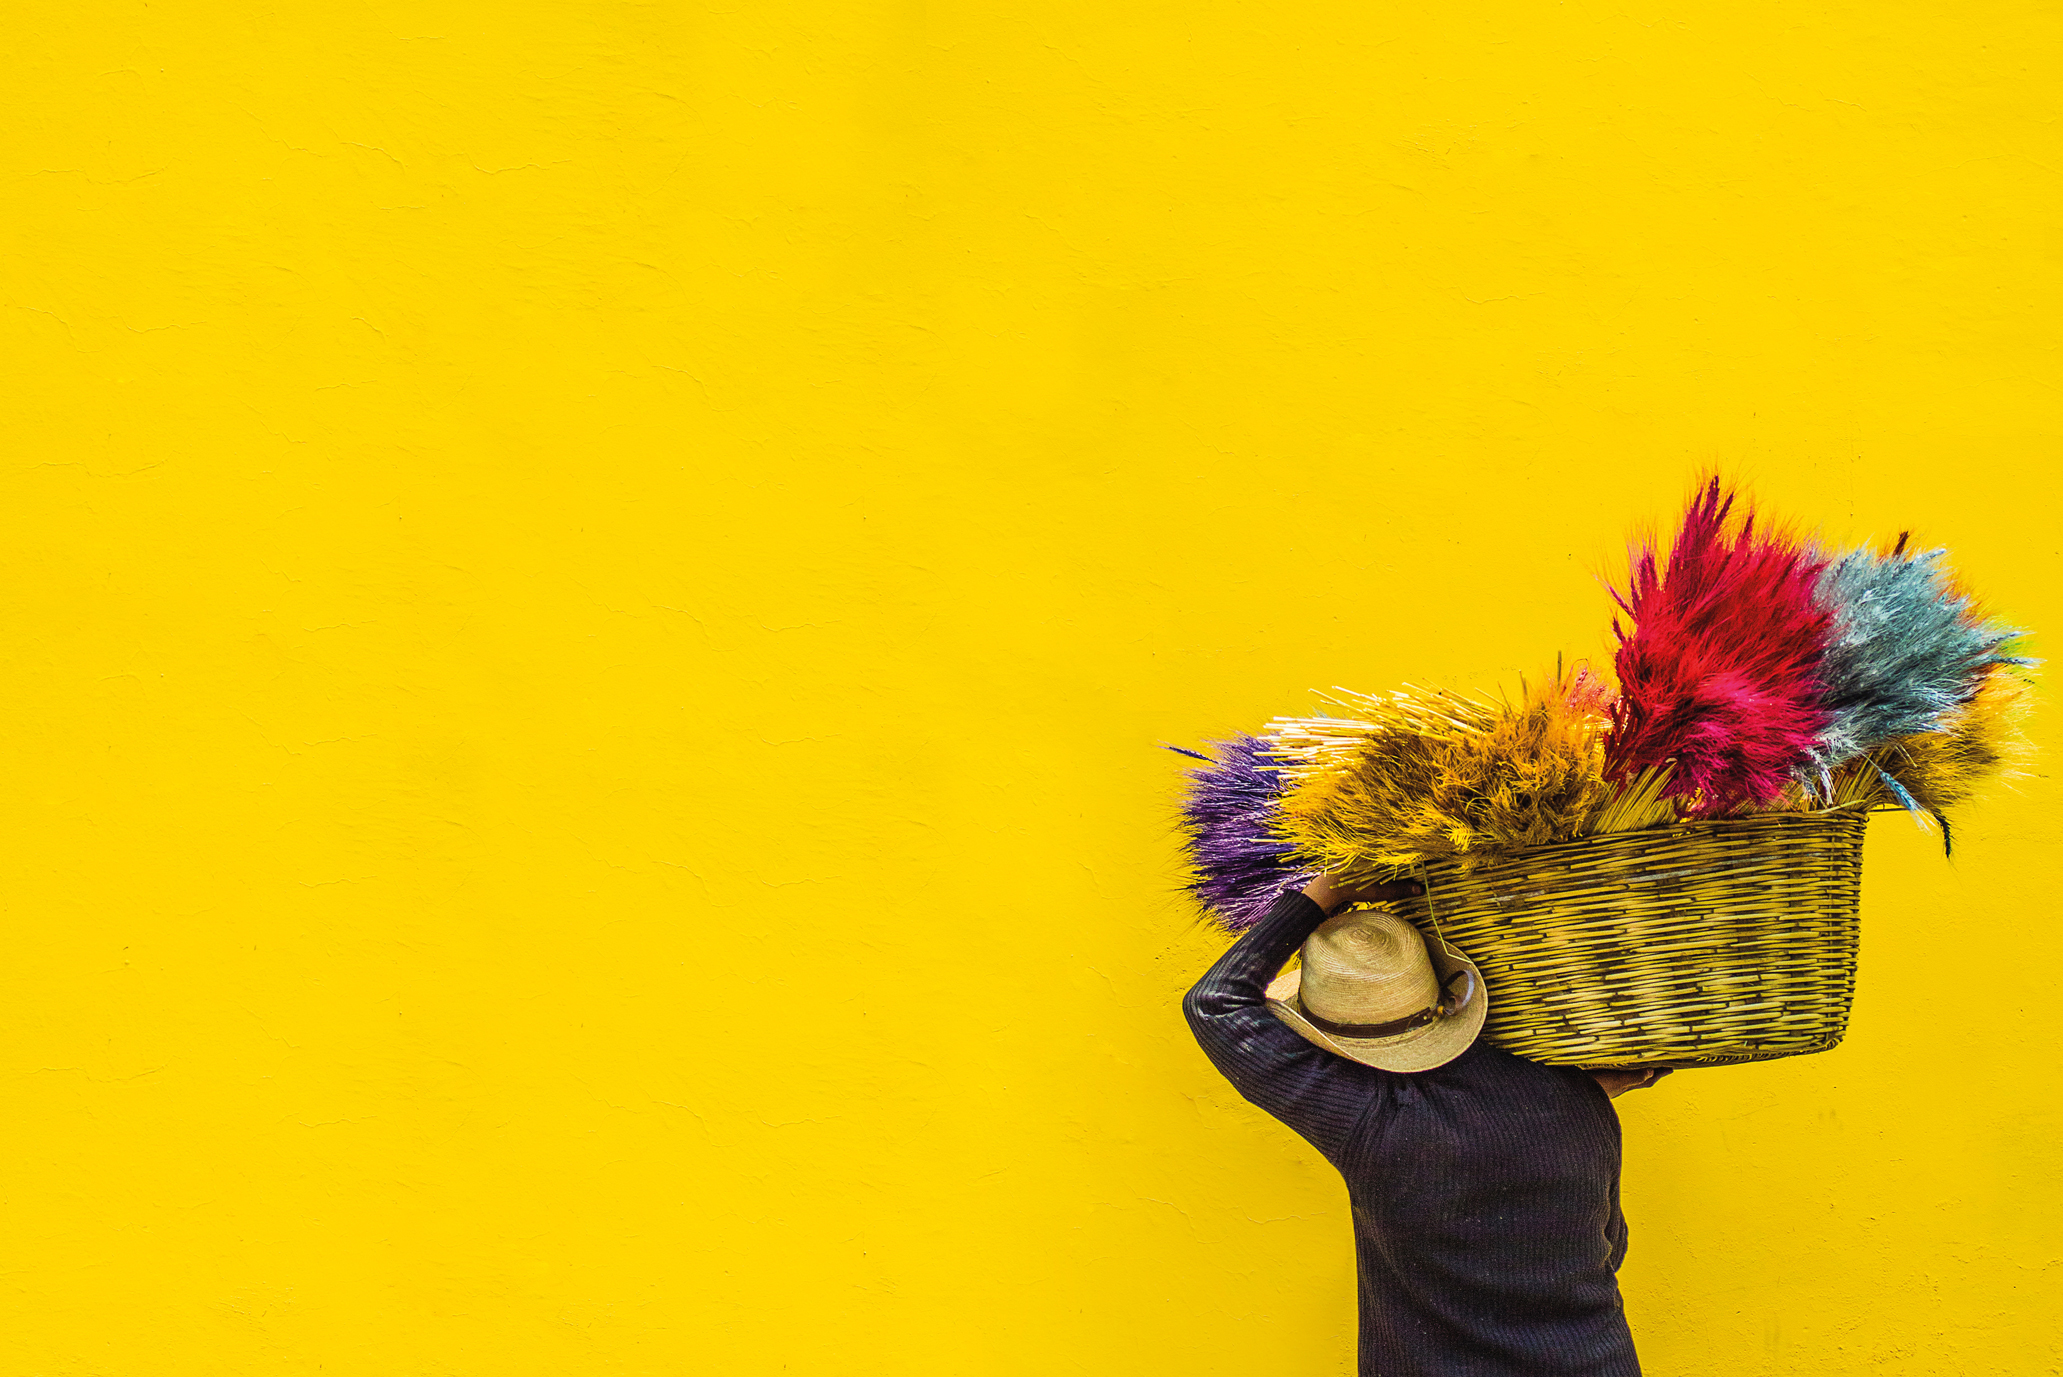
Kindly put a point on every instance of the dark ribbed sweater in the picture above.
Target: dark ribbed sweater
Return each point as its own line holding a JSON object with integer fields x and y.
{"x": 1485, "y": 1192}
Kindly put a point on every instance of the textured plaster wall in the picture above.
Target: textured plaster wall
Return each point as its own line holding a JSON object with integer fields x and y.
{"x": 589, "y": 590}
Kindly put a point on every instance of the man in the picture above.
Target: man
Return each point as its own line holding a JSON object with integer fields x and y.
{"x": 1485, "y": 1188}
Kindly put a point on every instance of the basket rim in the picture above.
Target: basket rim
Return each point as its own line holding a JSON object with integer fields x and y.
{"x": 1680, "y": 829}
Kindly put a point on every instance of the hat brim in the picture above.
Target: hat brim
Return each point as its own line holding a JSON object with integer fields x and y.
{"x": 1421, "y": 1049}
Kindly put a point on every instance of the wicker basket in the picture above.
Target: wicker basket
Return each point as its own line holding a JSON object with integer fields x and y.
{"x": 1694, "y": 945}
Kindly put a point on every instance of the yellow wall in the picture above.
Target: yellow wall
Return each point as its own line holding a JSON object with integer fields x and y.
{"x": 589, "y": 591}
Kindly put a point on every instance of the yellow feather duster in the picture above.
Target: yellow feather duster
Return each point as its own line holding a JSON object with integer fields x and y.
{"x": 1419, "y": 776}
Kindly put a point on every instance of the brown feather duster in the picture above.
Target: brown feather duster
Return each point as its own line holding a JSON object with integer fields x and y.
{"x": 1416, "y": 776}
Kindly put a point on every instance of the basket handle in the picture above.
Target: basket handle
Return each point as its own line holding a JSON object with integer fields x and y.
{"x": 1425, "y": 884}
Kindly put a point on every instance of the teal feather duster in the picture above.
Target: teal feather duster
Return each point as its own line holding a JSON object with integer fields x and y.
{"x": 1906, "y": 649}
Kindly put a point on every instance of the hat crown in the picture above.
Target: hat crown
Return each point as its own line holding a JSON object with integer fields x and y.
{"x": 1367, "y": 967}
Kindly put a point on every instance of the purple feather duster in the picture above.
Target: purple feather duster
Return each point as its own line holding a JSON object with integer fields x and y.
{"x": 1238, "y": 865}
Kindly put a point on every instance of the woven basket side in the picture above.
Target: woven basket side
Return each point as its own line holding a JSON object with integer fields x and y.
{"x": 1695, "y": 945}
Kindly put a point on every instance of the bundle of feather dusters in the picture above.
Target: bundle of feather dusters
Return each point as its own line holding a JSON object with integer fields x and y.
{"x": 1755, "y": 670}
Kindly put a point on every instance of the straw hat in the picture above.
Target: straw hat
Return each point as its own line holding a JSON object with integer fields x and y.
{"x": 1375, "y": 990}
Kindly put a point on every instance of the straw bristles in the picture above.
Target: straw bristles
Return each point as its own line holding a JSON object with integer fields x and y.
{"x": 1417, "y": 777}
{"x": 1642, "y": 801}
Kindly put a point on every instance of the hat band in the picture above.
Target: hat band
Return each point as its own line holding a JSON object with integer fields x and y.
{"x": 1371, "y": 1030}
{"x": 1431, "y": 1014}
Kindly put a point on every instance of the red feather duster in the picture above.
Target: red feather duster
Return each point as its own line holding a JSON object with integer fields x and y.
{"x": 1720, "y": 671}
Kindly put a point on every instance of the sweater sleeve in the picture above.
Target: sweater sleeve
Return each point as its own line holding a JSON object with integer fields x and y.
{"x": 1320, "y": 1095}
